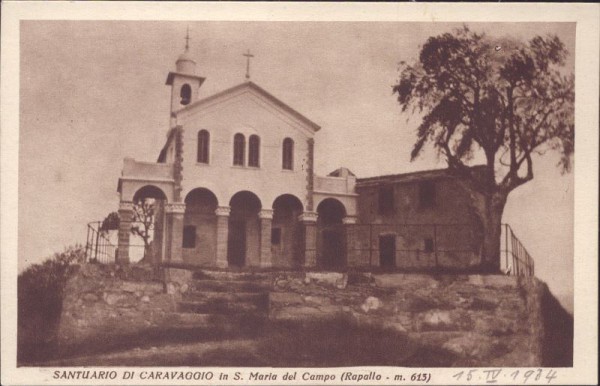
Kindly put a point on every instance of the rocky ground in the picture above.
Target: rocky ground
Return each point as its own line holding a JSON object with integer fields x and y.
{"x": 290, "y": 319}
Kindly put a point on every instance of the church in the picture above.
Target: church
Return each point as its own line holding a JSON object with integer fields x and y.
{"x": 234, "y": 187}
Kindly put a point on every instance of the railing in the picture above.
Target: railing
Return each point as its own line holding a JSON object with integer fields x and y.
{"x": 401, "y": 246}
{"x": 516, "y": 260}
{"x": 98, "y": 248}
{"x": 443, "y": 247}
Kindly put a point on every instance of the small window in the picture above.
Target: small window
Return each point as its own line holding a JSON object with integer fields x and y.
{"x": 428, "y": 245}
{"x": 239, "y": 143}
{"x": 189, "y": 236}
{"x": 186, "y": 94}
{"x": 203, "y": 141}
{"x": 254, "y": 151}
{"x": 288, "y": 154}
{"x": 386, "y": 200}
{"x": 427, "y": 194}
{"x": 276, "y": 236}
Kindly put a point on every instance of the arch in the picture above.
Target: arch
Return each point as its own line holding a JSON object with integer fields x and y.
{"x": 246, "y": 200}
{"x": 186, "y": 94}
{"x": 200, "y": 227}
{"x": 331, "y": 244}
{"x": 203, "y": 146}
{"x": 239, "y": 145}
{"x": 287, "y": 200}
{"x": 287, "y": 238}
{"x": 254, "y": 150}
{"x": 243, "y": 243}
{"x": 147, "y": 224}
{"x": 201, "y": 200}
{"x": 331, "y": 211}
{"x": 288, "y": 154}
{"x": 149, "y": 191}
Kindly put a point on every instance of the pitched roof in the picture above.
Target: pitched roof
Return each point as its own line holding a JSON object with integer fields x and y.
{"x": 261, "y": 91}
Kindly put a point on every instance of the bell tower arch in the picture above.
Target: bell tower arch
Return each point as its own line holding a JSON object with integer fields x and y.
{"x": 184, "y": 82}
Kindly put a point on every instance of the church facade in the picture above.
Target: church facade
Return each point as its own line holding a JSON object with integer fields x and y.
{"x": 235, "y": 186}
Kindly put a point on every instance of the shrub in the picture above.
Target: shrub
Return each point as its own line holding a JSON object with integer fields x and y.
{"x": 40, "y": 294}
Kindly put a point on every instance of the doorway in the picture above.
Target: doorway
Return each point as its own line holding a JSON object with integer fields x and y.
{"x": 243, "y": 243}
{"x": 236, "y": 248}
{"x": 387, "y": 252}
{"x": 333, "y": 253}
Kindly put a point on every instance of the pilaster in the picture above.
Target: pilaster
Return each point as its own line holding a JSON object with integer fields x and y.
{"x": 174, "y": 224}
{"x": 309, "y": 219}
{"x": 222, "y": 213}
{"x": 266, "y": 222}
{"x": 125, "y": 220}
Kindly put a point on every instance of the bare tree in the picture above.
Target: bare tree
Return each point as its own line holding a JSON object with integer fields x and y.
{"x": 144, "y": 213}
{"x": 499, "y": 100}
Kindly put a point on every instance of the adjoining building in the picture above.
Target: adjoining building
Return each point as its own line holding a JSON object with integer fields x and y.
{"x": 235, "y": 187}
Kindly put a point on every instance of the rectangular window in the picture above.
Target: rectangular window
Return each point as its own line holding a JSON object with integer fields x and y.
{"x": 386, "y": 200}
{"x": 428, "y": 245}
{"x": 288, "y": 154}
{"x": 427, "y": 194}
{"x": 276, "y": 236}
{"x": 189, "y": 236}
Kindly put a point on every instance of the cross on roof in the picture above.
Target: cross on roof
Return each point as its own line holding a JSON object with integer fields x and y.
{"x": 187, "y": 39}
{"x": 248, "y": 55}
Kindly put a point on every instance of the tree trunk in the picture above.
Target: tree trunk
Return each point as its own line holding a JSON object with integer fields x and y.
{"x": 492, "y": 229}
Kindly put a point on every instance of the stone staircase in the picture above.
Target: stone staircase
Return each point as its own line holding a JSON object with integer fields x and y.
{"x": 226, "y": 301}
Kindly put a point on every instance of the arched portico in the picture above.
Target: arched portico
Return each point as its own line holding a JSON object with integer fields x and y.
{"x": 331, "y": 247}
{"x": 244, "y": 236}
{"x": 199, "y": 238}
{"x": 287, "y": 242}
{"x": 144, "y": 217}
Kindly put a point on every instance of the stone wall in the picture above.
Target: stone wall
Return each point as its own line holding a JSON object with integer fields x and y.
{"x": 475, "y": 320}
{"x": 478, "y": 320}
{"x": 102, "y": 302}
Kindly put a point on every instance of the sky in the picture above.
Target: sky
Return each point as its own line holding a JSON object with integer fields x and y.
{"x": 93, "y": 92}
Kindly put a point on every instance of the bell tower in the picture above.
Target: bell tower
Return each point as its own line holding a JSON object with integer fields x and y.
{"x": 184, "y": 82}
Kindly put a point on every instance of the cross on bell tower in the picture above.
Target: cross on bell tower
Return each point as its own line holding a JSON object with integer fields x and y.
{"x": 185, "y": 84}
{"x": 187, "y": 39}
{"x": 248, "y": 55}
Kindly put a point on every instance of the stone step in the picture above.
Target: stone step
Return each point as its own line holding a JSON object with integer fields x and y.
{"x": 214, "y": 285}
{"x": 182, "y": 319}
{"x": 216, "y": 306}
{"x": 227, "y": 297}
{"x": 215, "y": 322}
{"x": 233, "y": 275}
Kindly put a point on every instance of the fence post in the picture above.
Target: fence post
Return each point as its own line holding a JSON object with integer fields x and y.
{"x": 506, "y": 245}
{"x": 97, "y": 236}
{"x": 435, "y": 245}
{"x": 87, "y": 243}
{"x": 370, "y": 245}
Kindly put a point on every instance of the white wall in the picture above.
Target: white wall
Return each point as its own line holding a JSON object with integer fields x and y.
{"x": 248, "y": 113}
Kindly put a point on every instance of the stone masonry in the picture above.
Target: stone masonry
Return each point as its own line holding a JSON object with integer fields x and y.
{"x": 479, "y": 320}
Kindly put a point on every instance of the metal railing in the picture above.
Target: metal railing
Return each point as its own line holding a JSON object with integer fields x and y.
{"x": 418, "y": 246}
{"x": 410, "y": 246}
{"x": 516, "y": 260}
{"x": 98, "y": 248}
{"x": 445, "y": 247}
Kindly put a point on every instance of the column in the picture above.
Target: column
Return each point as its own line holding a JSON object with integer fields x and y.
{"x": 125, "y": 219}
{"x": 309, "y": 219}
{"x": 266, "y": 221}
{"x": 174, "y": 219}
{"x": 352, "y": 255}
{"x": 222, "y": 213}
{"x": 158, "y": 234}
